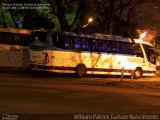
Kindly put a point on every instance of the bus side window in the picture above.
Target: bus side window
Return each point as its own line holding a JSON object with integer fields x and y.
{"x": 110, "y": 47}
{"x": 77, "y": 43}
{"x": 123, "y": 48}
{"x": 6, "y": 38}
{"x": 131, "y": 49}
{"x": 20, "y": 40}
{"x": 61, "y": 42}
{"x": 105, "y": 46}
{"x": 114, "y": 47}
{"x": 1, "y": 38}
{"x": 16, "y": 40}
{"x": 85, "y": 45}
{"x": 126, "y": 48}
{"x": 55, "y": 40}
{"x": 72, "y": 45}
{"x": 100, "y": 46}
{"x": 117, "y": 45}
{"x": 67, "y": 43}
{"x": 138, "y": 51}
{"x": 93, "y": 45}
{"x": 58, "y": 41}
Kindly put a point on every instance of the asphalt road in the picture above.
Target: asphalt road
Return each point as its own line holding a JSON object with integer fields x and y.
{"x": 53, "y": 96}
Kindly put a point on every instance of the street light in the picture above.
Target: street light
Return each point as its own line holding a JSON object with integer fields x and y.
{"x": 89, "y": 21}
{"x": 143, "y": 35}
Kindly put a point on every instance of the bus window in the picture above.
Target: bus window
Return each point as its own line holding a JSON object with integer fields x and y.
{"x": 117, "y": 47}
{"x": 100, "y": 46}
{"x": 69, "y": 43}
{"x": 111, "y": 47}
{"x": 14, "y": 39}
{"x": 128, "y": 48}
{"x": 6, "y": 38}
{"x": 131, "y": 49}
{"x": 138, "y": 50}
{"x": 85, "y": 44}
{"x": 21, "y": 40}
{"x": 93, "y": 45}
{"x": 66, "y": 43}
{"x": 105, "y": 46}
{"x": 58, "y": 41}
{"x": 122, "y": 48}
{"x": 72, "y": 45}
{"x": 150, "y": 53}
{"x": 55, "y": 40}
{"x": 77, "y": 43}
{"x": 38, "y": 40}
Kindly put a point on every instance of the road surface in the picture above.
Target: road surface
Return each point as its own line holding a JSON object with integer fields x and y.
{"x": 49, "y": 95}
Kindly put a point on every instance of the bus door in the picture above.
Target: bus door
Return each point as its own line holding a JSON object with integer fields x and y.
{"x": 150, "y": 56}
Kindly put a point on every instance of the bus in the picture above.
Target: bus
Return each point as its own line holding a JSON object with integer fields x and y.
{"x": 14, "y": 51}
{"x": 67, "y": 52}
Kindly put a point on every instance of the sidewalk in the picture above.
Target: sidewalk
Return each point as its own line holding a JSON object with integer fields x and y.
{"x": 99, "y": 78}
{"x": 151, "y": 83}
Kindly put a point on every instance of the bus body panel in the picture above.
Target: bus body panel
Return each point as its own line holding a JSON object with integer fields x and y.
{"x": 14, "y": 56}
{"x": 94, "y": 62}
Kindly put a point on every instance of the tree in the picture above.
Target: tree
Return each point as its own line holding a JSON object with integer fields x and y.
{"x": 28, "y": 18}
{"x": 115, "y": 14}
{"x": 110, "y": 16}
{"x": 62, "y": 7}
{"x": 5, "y": 17}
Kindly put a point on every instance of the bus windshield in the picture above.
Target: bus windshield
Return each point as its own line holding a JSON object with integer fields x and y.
{"x": 38, "y": 40}
{"x": 150, "y": 54}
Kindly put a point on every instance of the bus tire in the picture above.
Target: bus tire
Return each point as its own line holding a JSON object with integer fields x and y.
{"x": 138, "y": 73}
{"x": 80, "y": 70}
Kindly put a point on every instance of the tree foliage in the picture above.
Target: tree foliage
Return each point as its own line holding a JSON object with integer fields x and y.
{"x": 27, "y": 18}
{"x": 66, "y": 11}
{"x": 114, "y": 16}
{"x": 110, "y": 16}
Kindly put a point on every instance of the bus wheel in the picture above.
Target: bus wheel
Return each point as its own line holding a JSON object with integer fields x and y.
{"x": 138, "y": 73}
{"x": 80, "y": 70}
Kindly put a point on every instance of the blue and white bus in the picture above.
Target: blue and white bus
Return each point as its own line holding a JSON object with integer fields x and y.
{"x": 82, "y": 54}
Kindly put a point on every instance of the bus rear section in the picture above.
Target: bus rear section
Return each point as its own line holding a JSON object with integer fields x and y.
{"x": 38, "y": 53}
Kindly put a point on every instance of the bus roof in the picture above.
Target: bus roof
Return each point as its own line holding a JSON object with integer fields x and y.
{"x": 15, "y": 30}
